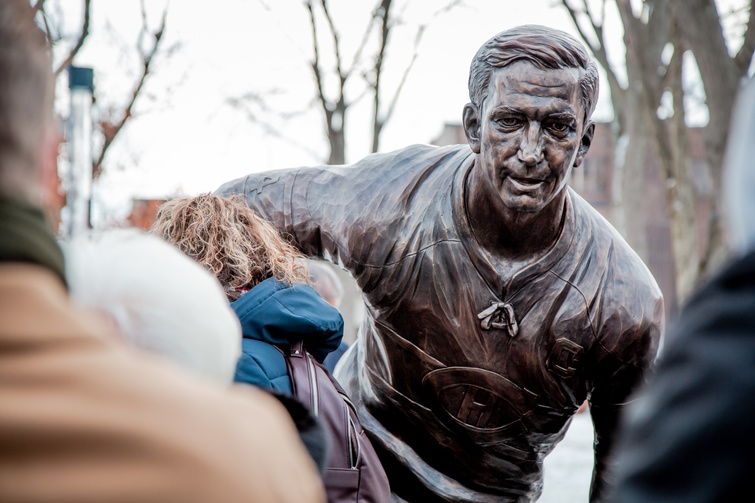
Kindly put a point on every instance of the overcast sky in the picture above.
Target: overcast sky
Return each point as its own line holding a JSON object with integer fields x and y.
{"x": 187, "y": 139}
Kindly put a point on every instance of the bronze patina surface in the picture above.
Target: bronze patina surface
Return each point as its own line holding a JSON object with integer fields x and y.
{"x": 498, "y": 300}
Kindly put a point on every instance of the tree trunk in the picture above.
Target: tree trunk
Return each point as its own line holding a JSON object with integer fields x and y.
{"x": 337, "y": 147}
{"x": 635, "y": 175}
{"x": 700, "y": 26}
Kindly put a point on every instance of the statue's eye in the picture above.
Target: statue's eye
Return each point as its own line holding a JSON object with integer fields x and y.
{"x": 509, "y": 122}
{"x": 559, "y": 128}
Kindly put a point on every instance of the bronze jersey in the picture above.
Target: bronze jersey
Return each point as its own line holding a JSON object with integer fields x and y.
{"x": 465, "y": 377}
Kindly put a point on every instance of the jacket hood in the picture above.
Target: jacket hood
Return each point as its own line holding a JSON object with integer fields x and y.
{"x": 739, "y": 179}
{"x": 279, "y": 313}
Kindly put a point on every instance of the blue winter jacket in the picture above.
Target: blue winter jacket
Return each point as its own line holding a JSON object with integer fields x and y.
{"x": 275, "y": 314}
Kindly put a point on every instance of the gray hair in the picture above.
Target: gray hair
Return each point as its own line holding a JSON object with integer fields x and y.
{"x": 326, "y": 282}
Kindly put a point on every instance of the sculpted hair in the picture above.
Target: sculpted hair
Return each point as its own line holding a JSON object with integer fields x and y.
{"x": 26, "y": 94}
{"x": 226, "y": 237}
{"x": 544, "y": 47}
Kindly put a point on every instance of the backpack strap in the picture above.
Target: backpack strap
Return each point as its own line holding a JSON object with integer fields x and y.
{"x": 354, "y": 472}
{"x": 313, "y": 385}
{"x": 303, "y": 379}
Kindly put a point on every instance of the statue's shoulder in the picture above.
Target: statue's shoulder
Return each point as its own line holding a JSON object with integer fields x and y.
{"x": 625, "y": 274}
{"x": 629, "y": 309}
{"x": 388, "y": 177}
{"x": 418, "y": 157}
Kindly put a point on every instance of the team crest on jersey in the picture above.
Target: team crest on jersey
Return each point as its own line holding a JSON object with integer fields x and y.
{"x": 486, "y": 405}
{"x": 565, "y": 358}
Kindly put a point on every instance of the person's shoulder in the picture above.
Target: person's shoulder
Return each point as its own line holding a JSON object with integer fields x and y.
{"x": 198, "y": 422}
{"x": 379, "y": 183}
{"x": 392, "y": 180}
{"x": 276, "y": 311}
{"x": 154, "y": 415}
{"x": 258, "y": 295}
{"x": 629, "y": 307}
{"x": 273, "y": 294}
{"x": 306, "y": 308}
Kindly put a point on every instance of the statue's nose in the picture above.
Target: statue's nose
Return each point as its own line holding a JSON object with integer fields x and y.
{"x": 530, "y": 150}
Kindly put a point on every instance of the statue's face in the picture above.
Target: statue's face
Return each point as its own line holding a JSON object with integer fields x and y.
{"x": 531, "y": 128}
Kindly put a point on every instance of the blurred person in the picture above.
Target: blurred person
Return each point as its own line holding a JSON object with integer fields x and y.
{"x": 689, "y": 437}
{"x": 266, "y": 281}
{"x": 163, "y": 302}
{"x": 327, "y": 284}
{"x": 160, "y": 300}
{"x": 264, "y": 278}
{"x": 82, "y": 416}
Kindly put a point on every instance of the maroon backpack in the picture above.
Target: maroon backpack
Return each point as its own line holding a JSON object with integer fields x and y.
{"x": 354, "y": 472}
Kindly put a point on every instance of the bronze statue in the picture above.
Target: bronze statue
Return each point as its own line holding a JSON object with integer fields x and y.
{"x": 497, "y": 299}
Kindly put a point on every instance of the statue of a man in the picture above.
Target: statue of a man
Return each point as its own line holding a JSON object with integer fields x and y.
{"x": 498, "y": 300}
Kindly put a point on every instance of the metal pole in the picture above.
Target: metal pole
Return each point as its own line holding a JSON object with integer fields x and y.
{"x": 78, "y": 198}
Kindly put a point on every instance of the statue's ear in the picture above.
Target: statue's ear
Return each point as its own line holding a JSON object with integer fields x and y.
{"x": 586, "y": 142}
{"x": 471, "y": 123}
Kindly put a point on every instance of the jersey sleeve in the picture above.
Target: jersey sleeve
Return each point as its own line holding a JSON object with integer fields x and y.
{"x": 350, "y": 215}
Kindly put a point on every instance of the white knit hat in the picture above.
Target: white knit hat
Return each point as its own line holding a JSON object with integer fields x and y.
{"x": 162, "y": 301}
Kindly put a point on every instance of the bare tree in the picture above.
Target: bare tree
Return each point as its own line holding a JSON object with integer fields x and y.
{"x": 656, "y": 37}
{"x": 366, "y": 65}
{"x": 149, "y": 45}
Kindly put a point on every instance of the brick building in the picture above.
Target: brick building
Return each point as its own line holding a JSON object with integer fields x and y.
{"x": 143, "y": 212}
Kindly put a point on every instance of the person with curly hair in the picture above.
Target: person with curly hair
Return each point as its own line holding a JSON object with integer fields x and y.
{"x": 268, "y": 282}
{"x": 265, "y": 278}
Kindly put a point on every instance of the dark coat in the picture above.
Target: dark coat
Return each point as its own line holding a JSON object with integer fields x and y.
{"x": 689, "y": 436}
{"x": 332, "y": 359}
{"x": 275, "y": 314}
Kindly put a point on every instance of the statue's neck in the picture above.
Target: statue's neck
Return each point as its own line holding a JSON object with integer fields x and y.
{"x": 512, "y": 237}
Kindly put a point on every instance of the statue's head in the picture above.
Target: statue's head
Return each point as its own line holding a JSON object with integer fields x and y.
{"x": 543, "y": 47}
{"x": 532, "y": 90}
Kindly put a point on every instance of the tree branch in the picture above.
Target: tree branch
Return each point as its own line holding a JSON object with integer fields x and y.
{"x": 111, "y": 130}
{"x": 365, "y": 37}
{"x": 394, "y": 100}
{"x": 316, "y": 67}
{"x": 377, "y": 123}
{"x": 336, "y": 46}
{"x": 242, "y": 103}
{"x": 599, "y": 52}
{"x": 80, "y": 42}
{"x": 744, "y": 56}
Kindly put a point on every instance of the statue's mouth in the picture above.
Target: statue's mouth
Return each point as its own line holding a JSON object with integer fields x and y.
{"x": 526, "y": 184}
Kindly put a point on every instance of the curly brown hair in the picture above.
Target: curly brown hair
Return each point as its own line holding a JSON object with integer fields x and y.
{"x": 225, "y": 236}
